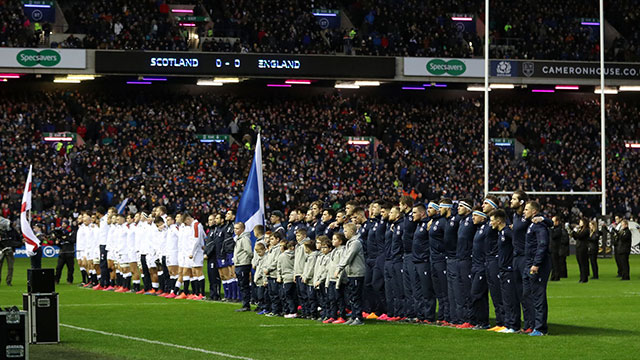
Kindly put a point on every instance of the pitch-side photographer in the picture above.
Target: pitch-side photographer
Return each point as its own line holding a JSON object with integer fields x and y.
{"x": 65, "y": 238}
{"x": 9, "y": 241}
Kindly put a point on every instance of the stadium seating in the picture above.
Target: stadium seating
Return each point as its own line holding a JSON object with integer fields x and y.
{"x": 143, "y": 148}
{"x": 521, "y": 29}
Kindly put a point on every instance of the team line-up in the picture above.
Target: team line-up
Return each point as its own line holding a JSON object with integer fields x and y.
{"x": 432, "y": 263}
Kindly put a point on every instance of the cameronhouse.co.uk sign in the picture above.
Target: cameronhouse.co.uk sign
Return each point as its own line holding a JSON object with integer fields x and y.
{"x": 563, "y": 69}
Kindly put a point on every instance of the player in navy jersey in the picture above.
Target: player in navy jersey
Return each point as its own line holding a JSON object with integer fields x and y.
{"x": 538, "y": 267}
{"x": 507, "y": 282}
{"x": 277, "y": 222}
{"x": 490, "y": 204}
{"x": 438, "y": 261}
{"x": 479, "y": 286}
{"x": 372, "y": 297}
{"x": 378, "y": 280}
{"x": 519, "y": 230}
{"x": 450, "y": 244}
{"x": 323, "y": 226}
{"x": 426, "y": 304}
{"x": 466, "y": 232}
{"x": 410, "y": 282}
{"x": 341, "y": 219}
{"x": 296, "y": 221}
{"x": 359, "y": 218}
{"x": 311, "y": 224}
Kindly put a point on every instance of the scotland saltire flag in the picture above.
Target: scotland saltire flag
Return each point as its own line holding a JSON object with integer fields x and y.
{"x": 251, "y": 207}
{"x": 122, "y": 205}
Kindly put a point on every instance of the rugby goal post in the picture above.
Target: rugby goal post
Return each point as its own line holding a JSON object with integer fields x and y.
{"x": 603, "y": 173}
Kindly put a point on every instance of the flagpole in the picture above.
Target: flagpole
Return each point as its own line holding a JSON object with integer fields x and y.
{"x": 31, "y": 240}
{"x": 251, "y": 203}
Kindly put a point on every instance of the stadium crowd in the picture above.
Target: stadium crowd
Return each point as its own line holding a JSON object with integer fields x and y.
{"x": 522, "y": 30}
{"x": 122, "y": 25}
{"x": 143, "y": 148}
{"x": 15, "y": 29}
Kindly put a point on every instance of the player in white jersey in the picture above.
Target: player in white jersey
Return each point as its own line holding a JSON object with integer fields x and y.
{"x": 163, "y": 271}
{"x": 141, "y": 248}
{"x": 112, "y": 248}
{"x": 134, "y": 253}
{"x": 162, "y": 232}
{"x": 117, "y": 244}
{"x": 82, "y": 238}
{"x": 194, "y": 247}
{"x": 160, "y": 212}
{"x": 102, "y": 234}
{"x": 171, "y": 251}
{"x": 94, "y": 250}
{"x": 183, "y": 257}
{"x": 142, "y": 239}
{"x": 152, "y": 235}
{"x": 124, "y": 258}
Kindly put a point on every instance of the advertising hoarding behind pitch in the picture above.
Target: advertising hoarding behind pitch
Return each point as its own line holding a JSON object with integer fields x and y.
{"x": 26, "y": 58}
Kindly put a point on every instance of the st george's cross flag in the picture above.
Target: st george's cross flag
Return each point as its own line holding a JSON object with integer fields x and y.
{"x": 251, "y": 207}
{"x": 31, "y": 241}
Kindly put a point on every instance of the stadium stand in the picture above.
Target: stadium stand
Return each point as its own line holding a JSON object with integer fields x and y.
{"x": 143, "y": 147}
{"x": 519, "y": 30}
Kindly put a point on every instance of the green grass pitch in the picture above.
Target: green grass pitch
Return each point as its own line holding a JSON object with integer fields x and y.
{"x": 597, "y": 320}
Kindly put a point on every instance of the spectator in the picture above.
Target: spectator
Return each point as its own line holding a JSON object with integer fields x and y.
{"x": 141, "y": 146}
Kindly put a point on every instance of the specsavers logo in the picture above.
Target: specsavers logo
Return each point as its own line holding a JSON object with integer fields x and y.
{"x": 452, "y": 67}
{"x": 34, "y": 57}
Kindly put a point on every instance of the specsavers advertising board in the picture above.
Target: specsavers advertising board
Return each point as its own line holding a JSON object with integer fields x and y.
{"x": 43, "y": 58}
{"x": 443, "y": 67}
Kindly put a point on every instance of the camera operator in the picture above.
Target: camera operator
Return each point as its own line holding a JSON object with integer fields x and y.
{"x": 65, "y": 238}
{"x": 9, "y": 241}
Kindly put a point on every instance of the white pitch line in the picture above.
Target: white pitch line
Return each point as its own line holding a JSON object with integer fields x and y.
{"x": 157, "y": 342}
{"x": 133, "y": 304}
{"x": 591, "y": 297}
{"x": 291, "y": 325}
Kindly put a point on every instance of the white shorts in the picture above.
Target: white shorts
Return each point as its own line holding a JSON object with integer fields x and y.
{"x": 112, "y": 255}
{"x": 182, "y": 260}
{"x": 172, "y": 259}
{"x": 197, "y": 260}
{"x": 79, "y": 254}
{"x": 151, "y": 261}
{"x": 93, "y": 254}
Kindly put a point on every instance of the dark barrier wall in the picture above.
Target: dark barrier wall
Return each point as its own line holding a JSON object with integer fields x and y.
{"x": 212, "y": 64}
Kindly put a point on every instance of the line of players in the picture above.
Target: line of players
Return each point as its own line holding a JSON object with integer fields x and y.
{"x": 434, "y": 263}
{"x": 164, "y": 252}
{"x": 418, "y": 260}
